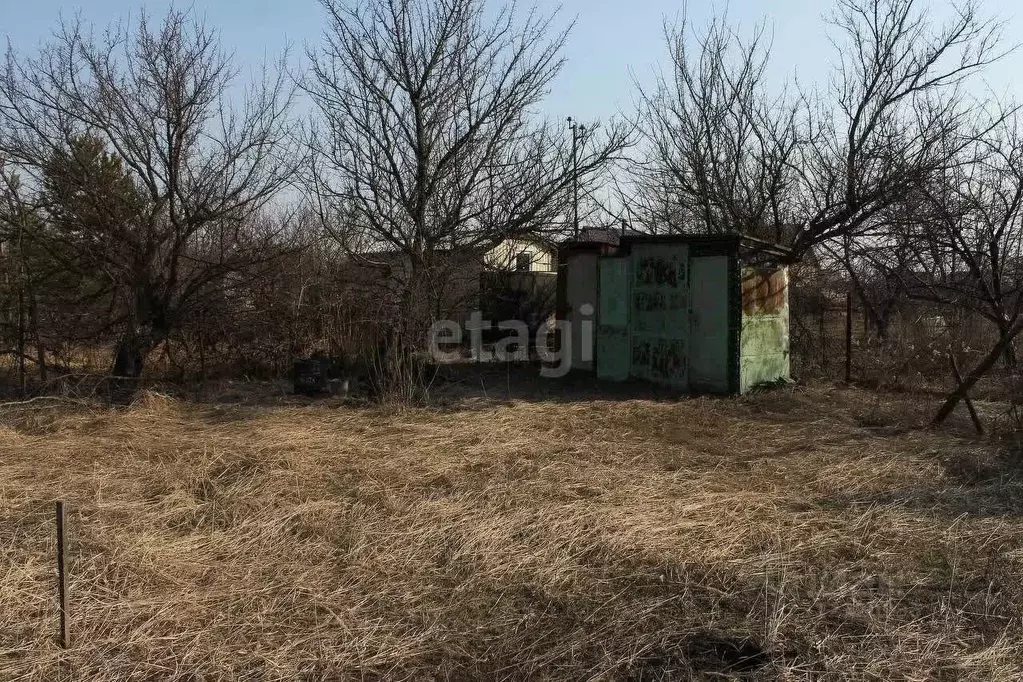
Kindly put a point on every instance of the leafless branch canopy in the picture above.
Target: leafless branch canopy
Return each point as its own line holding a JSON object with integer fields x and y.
{"x": 157, "y": 107}
{"x": 726, "y": 156}
{"x": 426, "y": 134}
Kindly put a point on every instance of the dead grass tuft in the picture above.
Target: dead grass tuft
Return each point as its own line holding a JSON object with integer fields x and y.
{"x": 799, "y": 534}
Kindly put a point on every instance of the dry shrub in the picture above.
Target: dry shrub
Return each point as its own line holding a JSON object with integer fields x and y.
{"x": 772, "y": 537}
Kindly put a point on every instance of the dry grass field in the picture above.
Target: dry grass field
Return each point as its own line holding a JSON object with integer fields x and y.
{"x": 805, "y": 533}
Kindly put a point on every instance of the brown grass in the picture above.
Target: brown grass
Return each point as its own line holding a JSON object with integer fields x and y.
{"x": 799, "y": 534}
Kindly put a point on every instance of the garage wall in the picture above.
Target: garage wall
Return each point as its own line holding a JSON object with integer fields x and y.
{"x": 685, "y": 315}
{"x": 581, "y": 290}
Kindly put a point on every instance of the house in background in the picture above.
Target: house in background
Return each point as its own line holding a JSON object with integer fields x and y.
{"x": 519, "y": 282}
{"x": 508, "y": 279}
{"x": 521, "y": 254}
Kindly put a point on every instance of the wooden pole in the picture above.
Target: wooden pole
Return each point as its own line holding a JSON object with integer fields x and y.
{"x": 65, "y": 638}
{"x": 848, "y": 337}
{"x": 823, "y": 335}
{"x": 21, "y": 341}
{"x": 202, "y": 346}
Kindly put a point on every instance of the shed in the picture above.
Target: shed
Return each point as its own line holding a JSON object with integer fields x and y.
{"x": 699, "y": 313}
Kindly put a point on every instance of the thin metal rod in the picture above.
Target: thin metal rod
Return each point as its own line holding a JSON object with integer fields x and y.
{"x": 576, "y": 132}
{"x": 65, "y": 635}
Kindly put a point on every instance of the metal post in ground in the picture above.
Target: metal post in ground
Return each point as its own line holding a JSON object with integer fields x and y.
{"x": 65, "y": 636}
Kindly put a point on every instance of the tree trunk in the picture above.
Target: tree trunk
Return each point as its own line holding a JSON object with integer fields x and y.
{"x": 882, "y": 322}
{"x": 202, "y": 352}
{"x": 33, "y": 320}
{"x": 44, "y": 374}
{"x": 129, "y": 359}
{"x": 129, "y": 362}
{"x": 1009, "y": 355}
{"x": 978, "y": 372}
{"x": 977, "y": 424}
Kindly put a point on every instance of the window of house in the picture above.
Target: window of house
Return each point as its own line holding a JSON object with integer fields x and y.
{"x": 524, "y": 261}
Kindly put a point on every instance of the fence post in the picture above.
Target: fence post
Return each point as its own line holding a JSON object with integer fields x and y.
{"x": 848, "y": 336}
{"x": 823, "y": 337}
{"x": 65, "y": 639}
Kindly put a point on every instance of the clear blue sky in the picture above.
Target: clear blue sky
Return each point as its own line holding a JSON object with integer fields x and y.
{"x": 612, "y": 39}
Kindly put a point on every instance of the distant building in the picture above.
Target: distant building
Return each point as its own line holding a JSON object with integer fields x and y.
{"x": 507, "y": 279}
{"x": 521, "y": 255}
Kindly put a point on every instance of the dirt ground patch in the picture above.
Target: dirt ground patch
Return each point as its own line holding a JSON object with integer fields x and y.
{"x": 804, "y": 533}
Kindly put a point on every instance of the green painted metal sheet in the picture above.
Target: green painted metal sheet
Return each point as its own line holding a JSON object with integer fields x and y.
{"x": 613, "y": 320}
{"x": 709, "y": 325}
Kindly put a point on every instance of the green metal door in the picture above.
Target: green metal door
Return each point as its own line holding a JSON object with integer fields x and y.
{"x": 613, "y": 319}
{"x": 708, "y": 317}
{"x": 659, "y": 319}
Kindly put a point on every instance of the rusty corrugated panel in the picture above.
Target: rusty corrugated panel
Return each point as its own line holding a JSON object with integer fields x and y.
{"x": 763, "y": 291}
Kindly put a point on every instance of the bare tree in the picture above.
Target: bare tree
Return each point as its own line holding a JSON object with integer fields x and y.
{"x": 31, "y": 282}
{"x": 970, "y": 253}
{"x": 720, "y": 148}
{"x": 875, "y": 266}
{"x": 725, "y": 156}
{"x": 426, "y": 140}
{"x": 15, "y": 216}
{"x": 159, "y": 103}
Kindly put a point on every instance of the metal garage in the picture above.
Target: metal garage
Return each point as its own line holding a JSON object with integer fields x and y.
{"x": 705, "y": 314}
